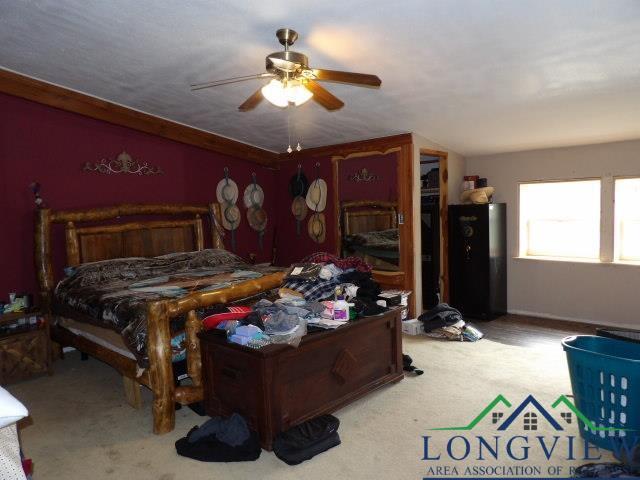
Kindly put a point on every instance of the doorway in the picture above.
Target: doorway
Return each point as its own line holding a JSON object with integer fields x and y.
{"x": 434, "y": 225}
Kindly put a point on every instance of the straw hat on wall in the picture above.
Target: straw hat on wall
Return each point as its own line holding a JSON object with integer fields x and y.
{"x": 317, "y": 227}
{"x": 317, "y": 195}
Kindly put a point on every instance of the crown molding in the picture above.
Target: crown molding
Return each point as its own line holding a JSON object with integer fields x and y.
{"x": 350, "y": 149}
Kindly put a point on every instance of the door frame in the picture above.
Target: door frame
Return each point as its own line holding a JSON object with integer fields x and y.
{"x": 444, "y": 218}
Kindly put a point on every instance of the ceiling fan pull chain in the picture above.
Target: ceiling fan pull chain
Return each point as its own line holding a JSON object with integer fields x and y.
{"x": 289, "y": 149}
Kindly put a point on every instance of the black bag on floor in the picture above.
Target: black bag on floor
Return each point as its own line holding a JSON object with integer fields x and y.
{"x": 307, "y": 440}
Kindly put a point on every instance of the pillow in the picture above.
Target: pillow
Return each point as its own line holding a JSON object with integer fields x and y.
{"x": 11, "y": 410}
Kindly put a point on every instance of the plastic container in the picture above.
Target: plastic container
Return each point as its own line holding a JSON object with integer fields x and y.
{"x": 605, "y": 378}
{"x": 341, "y": 309}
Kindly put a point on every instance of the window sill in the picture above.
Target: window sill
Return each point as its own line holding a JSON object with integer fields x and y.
{"x": 589, "y": 261}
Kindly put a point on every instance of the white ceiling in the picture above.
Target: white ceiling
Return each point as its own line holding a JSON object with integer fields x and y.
{"x": 478, "y": 77}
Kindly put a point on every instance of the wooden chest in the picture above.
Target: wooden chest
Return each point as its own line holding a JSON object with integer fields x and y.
{"x": 279, "y": 386}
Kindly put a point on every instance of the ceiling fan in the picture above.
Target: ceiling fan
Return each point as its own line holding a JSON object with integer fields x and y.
{"x": 293, "y": 81}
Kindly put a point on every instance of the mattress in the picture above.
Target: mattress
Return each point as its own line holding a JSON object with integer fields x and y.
{"x": 102, "y": 336}
{"x": 113, "y": 294}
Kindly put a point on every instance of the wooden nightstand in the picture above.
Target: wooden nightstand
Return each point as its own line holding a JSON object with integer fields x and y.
{"x": 25, "y": 346}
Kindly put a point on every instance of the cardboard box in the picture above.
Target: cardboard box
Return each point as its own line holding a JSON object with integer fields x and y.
{"x": 412, "y": 327}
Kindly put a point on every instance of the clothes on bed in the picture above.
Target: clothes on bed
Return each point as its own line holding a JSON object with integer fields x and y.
{"x": 342, "y": 263}
{"x": 381, "y": 239}
{"x": 103, "y": 292}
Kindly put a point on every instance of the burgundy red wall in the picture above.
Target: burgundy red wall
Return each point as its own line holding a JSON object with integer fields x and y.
{"x": 384, "y": 185}
{"x": 50, "y": 146}
{"x": 289, "y": 246}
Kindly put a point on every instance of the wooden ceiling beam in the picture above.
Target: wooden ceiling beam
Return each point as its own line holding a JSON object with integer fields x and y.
{"x": 71, "y": 101}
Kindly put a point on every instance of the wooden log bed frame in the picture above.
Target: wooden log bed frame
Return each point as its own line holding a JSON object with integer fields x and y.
{"x": 141, "y": 238}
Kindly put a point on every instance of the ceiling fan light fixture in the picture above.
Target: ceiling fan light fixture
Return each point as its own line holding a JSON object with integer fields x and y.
{"x": 281, "y": 95}
{"x": 297, "y": 93}
{"x": 275, "y": 93}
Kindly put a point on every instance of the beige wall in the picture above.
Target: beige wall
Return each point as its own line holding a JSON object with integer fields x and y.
{"x": 589, "y": 292}
{"x": 456, "y": 168}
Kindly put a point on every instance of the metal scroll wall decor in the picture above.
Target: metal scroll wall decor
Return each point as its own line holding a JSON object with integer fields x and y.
{"x": 123, "y": 163}
{"x": 363, "y": 175}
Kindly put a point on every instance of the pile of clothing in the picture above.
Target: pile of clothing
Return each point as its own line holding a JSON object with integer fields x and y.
{"x": 231, "y": 440}
{"x": 221, "y": 440}
{"x": 444, "y": 321}
{"x": 318, "y": 275}
{"x": 305, "y": 300}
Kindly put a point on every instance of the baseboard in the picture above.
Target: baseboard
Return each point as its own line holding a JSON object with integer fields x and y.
{"x": 572, "y": 319}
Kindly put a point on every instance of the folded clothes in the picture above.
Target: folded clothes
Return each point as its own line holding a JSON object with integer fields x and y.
{"x": 303, "y": 271}
{"x": 442, "y": 315}
{"x": 314, "y": 291}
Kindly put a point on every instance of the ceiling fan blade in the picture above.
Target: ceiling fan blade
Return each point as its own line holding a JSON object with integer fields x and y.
{"x": 252, "y": 102}
{"x": 216, "y": 83}
{"x": 347, "y": 77}
{"x": 323, "y": 96}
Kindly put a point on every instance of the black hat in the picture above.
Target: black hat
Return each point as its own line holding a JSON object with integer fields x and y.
{"x": 298, "y": 186}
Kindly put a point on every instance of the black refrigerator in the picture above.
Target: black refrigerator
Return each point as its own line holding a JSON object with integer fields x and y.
{"x": 478, "y": 259}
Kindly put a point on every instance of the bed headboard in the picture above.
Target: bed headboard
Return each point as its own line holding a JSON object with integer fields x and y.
{"x": 368, "y": 216}
{"x": 105, "y": 233}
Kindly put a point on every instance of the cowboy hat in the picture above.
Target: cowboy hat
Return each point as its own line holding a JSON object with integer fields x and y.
{"x": 257, "y": 218}
{"x": 227, "y": 191}
{"x": 317, "y": 195}
{"x": 253, "y": 195}
{"x": 298, "y": 186}
{"x": 299, "y": 208}
{"x": 477, "y": 195}
{"x": 317, "y": 227}
{"x": 230, "y": 216}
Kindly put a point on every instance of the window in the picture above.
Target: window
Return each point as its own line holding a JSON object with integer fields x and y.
{"x": 627, "y": 220}
{"x": 560, "y": 219}
{"x": 530, "y": 421}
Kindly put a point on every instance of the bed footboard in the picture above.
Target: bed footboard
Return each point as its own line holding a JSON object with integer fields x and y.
{"x": 159, "y": 313}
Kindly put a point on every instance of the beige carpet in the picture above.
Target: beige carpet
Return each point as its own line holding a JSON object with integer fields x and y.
{"x": 83, "y": 429}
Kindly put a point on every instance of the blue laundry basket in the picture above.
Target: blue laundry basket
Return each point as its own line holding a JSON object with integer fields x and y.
{"x": 605, "y": 378}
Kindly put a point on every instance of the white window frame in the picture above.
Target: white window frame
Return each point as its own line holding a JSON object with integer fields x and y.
{"x": 607, "y": 222}
{"x": 615, "y": 256}
{"x": 603, "y": 241}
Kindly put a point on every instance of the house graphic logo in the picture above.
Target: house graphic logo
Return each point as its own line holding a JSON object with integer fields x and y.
{"x": 531, "y": 436}
{"x": 531, "y": 413}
